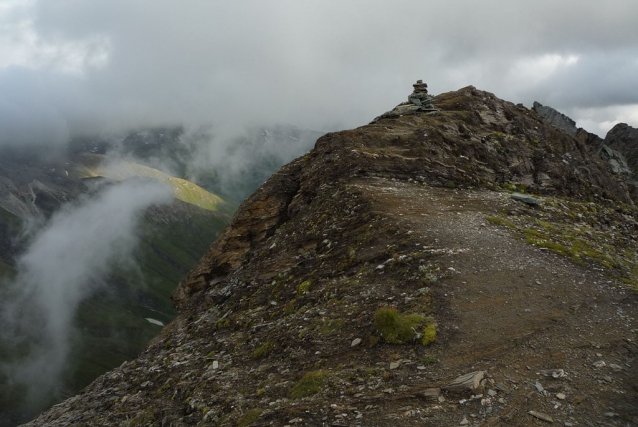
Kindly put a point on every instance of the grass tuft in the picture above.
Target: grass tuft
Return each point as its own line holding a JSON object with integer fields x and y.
{"x": 310, "y": 384}
{"x": 397, "y": 328}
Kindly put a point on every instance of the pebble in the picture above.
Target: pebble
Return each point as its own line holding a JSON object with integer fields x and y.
{"x": 355, "y": 342}
{"x": 561, "y": 396}
{"x": 615, "y": 367}
{"x": 607, "y": 378}
{"x": 539, "y": 387}
{"x": 491, "y": 392}
{"x": 599, "y": 364}
{"x": 395, "y": 365}
{"x": 541, "y": 416}
{"x": 464, "y": 421}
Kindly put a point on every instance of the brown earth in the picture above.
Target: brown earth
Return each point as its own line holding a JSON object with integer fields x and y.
{"x": 277, "y": 324}
{"x": 514, "y": 310}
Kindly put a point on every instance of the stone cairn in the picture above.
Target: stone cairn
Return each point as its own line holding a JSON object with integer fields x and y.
{"x": 419, "y": 102}
{"x": 420, "y": 97}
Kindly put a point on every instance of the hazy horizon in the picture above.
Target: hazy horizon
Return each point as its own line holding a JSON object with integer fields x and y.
{"x": 71, "y": 67}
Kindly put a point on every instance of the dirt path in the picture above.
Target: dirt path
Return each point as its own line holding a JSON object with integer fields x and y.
{"x": 515, "y": 310}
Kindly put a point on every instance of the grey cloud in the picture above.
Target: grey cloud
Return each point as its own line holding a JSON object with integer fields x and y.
{"x": 27, "y": 115}
{"x": 324, "y": 64}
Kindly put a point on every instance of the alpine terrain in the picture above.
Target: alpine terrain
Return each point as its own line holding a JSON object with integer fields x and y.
{"x": 461, "y": 260}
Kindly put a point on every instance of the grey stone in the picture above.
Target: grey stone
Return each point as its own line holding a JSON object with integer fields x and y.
{"x": 432, "y": 393}
{"x": 556, "y": 118}
{"x": 467, "y": 382}
{"x": 615, "y": 367}
{"x": 560, "y": 396}
{"x": 355, "y": 342}
{"x": 532, "y": 201}
{"x": 599, "y": 364}
{"x": 554, "y": 373}
{"x": 541, "y": 416}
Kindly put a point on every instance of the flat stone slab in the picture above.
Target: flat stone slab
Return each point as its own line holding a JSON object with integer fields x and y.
{"x": 467, "y": 382}
{"x": 532, "y": 201}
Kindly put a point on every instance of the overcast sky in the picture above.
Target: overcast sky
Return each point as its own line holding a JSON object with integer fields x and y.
{"x": 68, "y": 66}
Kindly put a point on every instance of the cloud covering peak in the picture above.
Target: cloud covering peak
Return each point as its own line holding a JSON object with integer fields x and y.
{"x": 322, "y": 65}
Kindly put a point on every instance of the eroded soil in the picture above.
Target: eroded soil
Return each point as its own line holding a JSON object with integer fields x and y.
{"x": 515, "y": 310}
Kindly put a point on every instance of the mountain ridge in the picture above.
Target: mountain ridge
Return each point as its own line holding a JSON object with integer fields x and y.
{"x": 405, "y": 224}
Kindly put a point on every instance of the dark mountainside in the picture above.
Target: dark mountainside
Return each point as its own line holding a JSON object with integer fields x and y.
{"x": 112, "y": 325}
{"x": 363, "y": 279}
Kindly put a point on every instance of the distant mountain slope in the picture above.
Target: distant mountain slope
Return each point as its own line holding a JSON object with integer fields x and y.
{"x": 388, "y": 278}
{"x": 97, "y": 165}
{"x": 115, "y": 324}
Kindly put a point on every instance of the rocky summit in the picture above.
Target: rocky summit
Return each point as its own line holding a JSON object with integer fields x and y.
{"x": 389, "y": 278}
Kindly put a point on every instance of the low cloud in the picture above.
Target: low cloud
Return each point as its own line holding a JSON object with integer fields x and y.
{"x": 61, "y": 268}
{"x": 28, "y": 116}
{"x": 117, "y": 65}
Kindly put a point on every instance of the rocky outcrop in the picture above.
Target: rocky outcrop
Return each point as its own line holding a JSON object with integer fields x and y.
{"x": 384, "y": 228}
{"x": 624, "y": 139}
{"x": 556, "y": 118}
{"x": 612, "y": 149}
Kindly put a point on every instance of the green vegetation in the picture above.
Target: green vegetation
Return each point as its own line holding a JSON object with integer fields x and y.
{"x": 264, "y": 350}
{"x": 304, "y": 288}
{"x": 310, "y": 384}
{"x": 429, "y": 334}
{"x": 397, "y": 328}
{"x": 330, "y": 326}
{"x": 495, "y": 220}
{"x": 142, "y": 419}
{"x": 112, "y": 325}
{"x": 428, "y": 360}
{"x": 583, "y": 232}
{"x": 249, "y": 417}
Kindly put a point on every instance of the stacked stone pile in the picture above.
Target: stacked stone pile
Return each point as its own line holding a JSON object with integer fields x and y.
{"x": 421, "y": 98}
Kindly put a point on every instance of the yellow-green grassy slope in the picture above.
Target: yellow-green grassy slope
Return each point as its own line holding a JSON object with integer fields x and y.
{"x": 97, "y": 165}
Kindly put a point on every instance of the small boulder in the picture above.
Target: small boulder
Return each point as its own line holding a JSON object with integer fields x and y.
{"x": 529, "y": 200}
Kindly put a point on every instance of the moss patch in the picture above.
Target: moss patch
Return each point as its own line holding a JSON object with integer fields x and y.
{"x": 304, "y": 287}
{"x": 310, "y": 384}
{"x": 264, "y": 350}
{"x": 429, "y": 334}
{"x": 250, "y": 417}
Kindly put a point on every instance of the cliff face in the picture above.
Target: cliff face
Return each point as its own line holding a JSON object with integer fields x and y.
{"x": 359, "y": 281}
{"x": 624, "y": 139}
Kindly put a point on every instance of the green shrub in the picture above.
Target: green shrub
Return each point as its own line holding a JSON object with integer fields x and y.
{"x": 396, "y": 328}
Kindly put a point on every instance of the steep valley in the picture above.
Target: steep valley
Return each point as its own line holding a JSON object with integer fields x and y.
{"x": 131, "y": 301}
